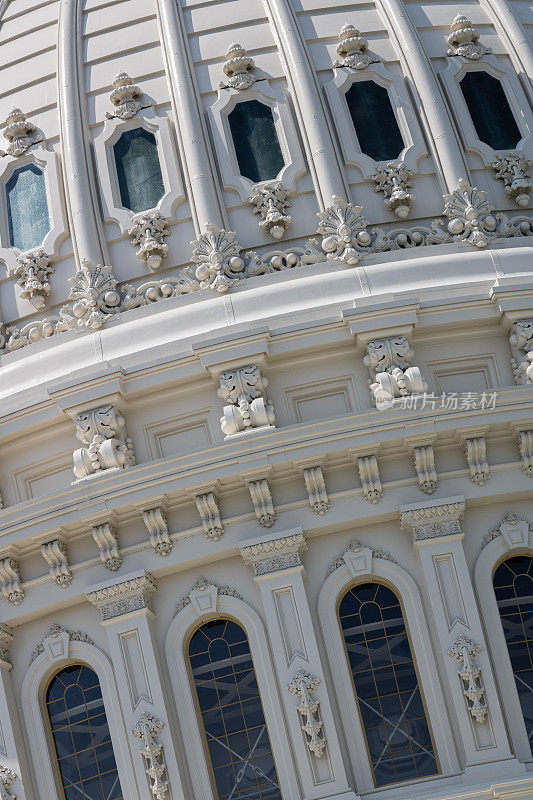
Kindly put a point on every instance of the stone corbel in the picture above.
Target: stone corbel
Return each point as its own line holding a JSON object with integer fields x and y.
{"x": 475, "y": 449}
{"x": 105, "y": 536}
{"x": 312, "y": 470}
{"x": 156, "y": 522}
{"x": 370, "y": 480}
{"x": 273, "y": 553}
{"x": 303, "y": 686}
{"x": 128, "y": 595}
{"x": 207, "y": 505}
{"x": 524, "y": 442}
{"x": 521, "y": 343}
{"x": 424, "y": 461}
{"x": 55, "y": 554}
{"x": 262, "y": 502}
{"x": 147, "y": 730}
{"x": 10, "y": 580}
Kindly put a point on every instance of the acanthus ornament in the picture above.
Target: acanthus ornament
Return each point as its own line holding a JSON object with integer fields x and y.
{"x": 239, "y": 69}
{"x": 395, "y": 180}
{"x": 303, "y": 686}
{"x": 430, "y": 522}
{"x": 217, "y": 255}
{"x": 7, "y": 779}
{"x": 106, "y": 445}
{"x": 20, "y": 133}
{"x": 391, "y": 376}
{"x": 32, "y": 272}
{"x": 271, "y": 201}
{"x": 513, "y": 170}
{"x": 464, "y": 40}
{"x": 471, "y": 218}
{"x": 244, "y": 389}
{"x": 344, "y": 232}
{"x": 95, "y": 295}
{"x": 147, "y": 730}
{"x": 274, "y": 555}
{"x": 521, "y": 343}
{"x": 147, "y": 233}
{"x": 464, "y": 651}
{"x": 124, "y": 597}
{"x": 353, "y": 49}
{"x": 126, "y": 97}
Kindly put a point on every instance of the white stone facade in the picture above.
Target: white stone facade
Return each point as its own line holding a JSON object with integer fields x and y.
{"x": 282, "y": 389}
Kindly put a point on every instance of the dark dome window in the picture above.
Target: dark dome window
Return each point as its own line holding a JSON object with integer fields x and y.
{"x": 490, "y": 110}
{"x": 374, "y": 121}
{"x": 138, "y": 170}
{"x": 256, "y": 141}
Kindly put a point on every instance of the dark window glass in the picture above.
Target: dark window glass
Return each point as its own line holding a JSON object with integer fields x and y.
{"x": 27, "y": 208}
{"x": 232, "y": 714}
{"x": 256, "y": 141}
{"x": 513, "y": 586}
{"x": 138, "y": 170}
{"x": 374, "y": 120}
{"x": 490, "y": 111}
{"x": 390, "y": 703}
{"x": 81, "y": 736}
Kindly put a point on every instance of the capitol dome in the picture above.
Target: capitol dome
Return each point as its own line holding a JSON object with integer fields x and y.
{"x": 266, "y": 394}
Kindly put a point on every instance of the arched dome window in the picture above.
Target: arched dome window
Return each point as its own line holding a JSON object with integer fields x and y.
{"x": 374, "y": 120}
{"x": 490, "y": 110}
{"x": 385, "y": 681}
{"x": 256, "y": 141}
{"x": 27, "y": 207}
{"x": 81, "y": 735}
{"x": 138, "y": 170}
{"x": 513, "y": 586}
{"x": 232, "y": 714}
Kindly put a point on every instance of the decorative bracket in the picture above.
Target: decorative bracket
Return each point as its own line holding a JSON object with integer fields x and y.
{"x": 369, "y": 475}
{"x": 476, "y": 458}
{"x": 521, "y": 343}
{"x": 55, "y": 555}
{"x": 208, "y": 509}
{"x": 524, "y": 443}
{"x": 156, "y": 522}
{"x": 102, "y": 431}
{"x": 10, "y": 583}
{"x": 424, "y": 459}
{"x": 147, "y": 729}
{"x": 262, "y": 500}
{"x": 391, "y": 376}
{"x": 316, "y": 490}
{"x": 464, "y": 651}
{"x": 303, "y": 686}
{"x": 106, "y": 538}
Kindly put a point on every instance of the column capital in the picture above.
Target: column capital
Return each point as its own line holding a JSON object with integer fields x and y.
{"x": 433, "y": 520}
{"x": 279, "y": 551}
{"x": 6, "y": 637}
{"x": 129, "y": 594}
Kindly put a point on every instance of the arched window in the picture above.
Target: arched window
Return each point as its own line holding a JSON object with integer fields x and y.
{"x": 232, "y": 715}
{"x": 390, "y": 703}
{"x": 81, "y": 736}
{"x": 138, "y": 170}
{"x": 490, "y": 110}
{"x": 374, "y": 120}
{"x": 513, "y": 586}
{"x": 27, "y": 207}
{"x": 256, "y": 141}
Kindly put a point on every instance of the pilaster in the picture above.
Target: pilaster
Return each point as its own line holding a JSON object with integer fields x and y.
{"x": 15, "y": 779}
{"x": 435, "y": 528}
{"x": 279, "y": 574}
{"x": 124, "y": 604}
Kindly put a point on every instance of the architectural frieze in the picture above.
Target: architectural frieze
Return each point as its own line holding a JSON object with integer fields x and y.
{"x": 218, "y": 262}
{"x": 123, "y": 597}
